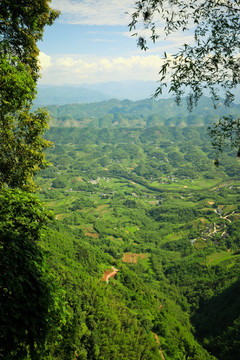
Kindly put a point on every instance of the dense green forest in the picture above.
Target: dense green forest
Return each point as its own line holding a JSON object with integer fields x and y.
{"x": 145, "y": 243}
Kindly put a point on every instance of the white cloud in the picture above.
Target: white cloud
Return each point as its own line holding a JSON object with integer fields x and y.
{"x": 76, "y": 69}
{"x": 67, "y": 62}
{"x": 44, "y": 60}
{"x": 94, "y": 12}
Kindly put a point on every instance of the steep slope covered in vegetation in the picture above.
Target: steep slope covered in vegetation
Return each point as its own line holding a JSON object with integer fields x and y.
{"x": 149, "y": 203}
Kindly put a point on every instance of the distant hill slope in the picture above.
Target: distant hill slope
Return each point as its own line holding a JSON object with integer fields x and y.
{"x": 133, "y": 89}
{"x": 85, "y": 93}
{"x": 61, "y": 95}
{"x": 141, "y": 113}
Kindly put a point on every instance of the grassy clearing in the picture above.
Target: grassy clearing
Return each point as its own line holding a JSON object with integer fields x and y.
{"x": 185, "y": 185}
{"x": 62, "y": 216}
{"x": 200, "y": 244}
{"x": 217, "y": 257}
{"x": 132, "y": 258}
{"x": 230, "y": 208}
{"x": 132, "y": 229}
{"x": 172, "y": 237}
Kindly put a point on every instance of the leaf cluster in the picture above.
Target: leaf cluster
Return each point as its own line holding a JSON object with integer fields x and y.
{"x": 21, "y": 143}
{"x": 21, "y": 27}
{"x": 31, "y": 302}
{"x": 210, "y": 60}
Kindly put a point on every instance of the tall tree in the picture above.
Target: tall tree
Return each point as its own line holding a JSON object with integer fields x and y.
{"x": 28, "y": 297}
{"x": 21, "y": 144}
{"x": 210, "y": 61}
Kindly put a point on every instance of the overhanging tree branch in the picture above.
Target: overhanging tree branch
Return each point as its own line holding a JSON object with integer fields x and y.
{"x": 210, "y": 62}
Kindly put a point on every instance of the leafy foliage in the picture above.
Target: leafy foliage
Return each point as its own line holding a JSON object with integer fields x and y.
{"x": 21, "y": 144}
{"x": 210, "y": 62}
{"x": 32, "y": 305}
{"x": 30, "y": 311}
{"x": 21, "y": 26}
{"x": 21, "y": 148}
{"x": 226, "y": 133}
{"x": 211, "y": 59}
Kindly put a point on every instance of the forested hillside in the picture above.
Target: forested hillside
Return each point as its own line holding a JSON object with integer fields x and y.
{"x": 141, "y": 113}
{"x": 145, "y": 243}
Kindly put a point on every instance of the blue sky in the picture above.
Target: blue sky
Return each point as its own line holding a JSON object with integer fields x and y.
{"x": 91, "y": 43}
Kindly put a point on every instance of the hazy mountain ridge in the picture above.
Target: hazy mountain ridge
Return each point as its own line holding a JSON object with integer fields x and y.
{"x": 132, "y": 90}
{"x": 61, "y": 95}
{"x": 87, "y": 93}
{"x": 148, "y": 112}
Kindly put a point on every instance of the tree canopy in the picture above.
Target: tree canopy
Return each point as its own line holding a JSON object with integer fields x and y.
{"x": 22, "y": 24}
{"x": 29, "y": 297}
{"x": 21, "y": 145}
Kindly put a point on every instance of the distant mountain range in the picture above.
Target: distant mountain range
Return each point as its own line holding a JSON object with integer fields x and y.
{"x": 131, "y": 90}
{"x": 61, "y": 95}
{"x": 88, "y": 93}
{"x": 148, "y": 112}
